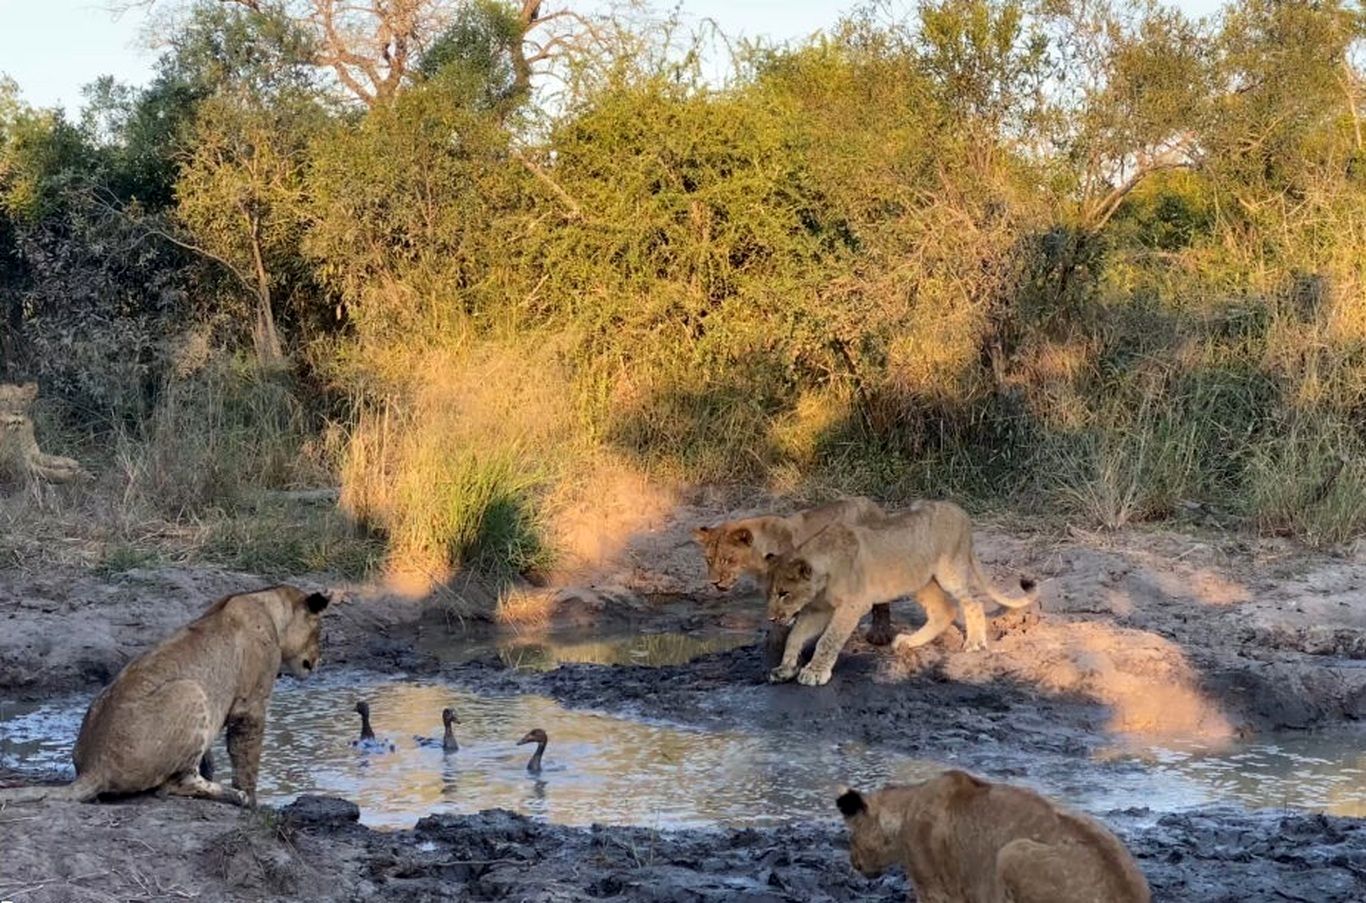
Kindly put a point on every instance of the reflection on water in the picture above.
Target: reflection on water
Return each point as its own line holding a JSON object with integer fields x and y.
{"x": 618, "y": 770}
{"x": 1323, "y": 771}
{"x": 545, "y": 651}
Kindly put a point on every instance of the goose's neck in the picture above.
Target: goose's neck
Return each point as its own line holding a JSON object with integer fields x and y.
{"x": 366, "y": 732}
{"x": 449, "y": 741}
{"x": 535, "y": 763}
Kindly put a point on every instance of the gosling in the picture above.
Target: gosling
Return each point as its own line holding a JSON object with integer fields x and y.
{"x": 448, "y": 742}
{"x": 538, "y": 737}
{"x": 367, "y": 742}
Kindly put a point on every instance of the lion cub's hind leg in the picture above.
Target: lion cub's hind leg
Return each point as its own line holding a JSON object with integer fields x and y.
{"x": 881, "y": 632}
{"x": 1033, "y": 872}
{"x": 974, "y": 619}
{"x": 192, "y": 784}
{"x": 939, "y": 612}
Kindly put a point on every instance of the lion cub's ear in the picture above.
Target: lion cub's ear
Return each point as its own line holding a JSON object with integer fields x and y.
{"x": 803, "y": 569}
{"x": 743, "y": 536}
{"x": 316, "y": 602}
{"x": 851, "y": 803}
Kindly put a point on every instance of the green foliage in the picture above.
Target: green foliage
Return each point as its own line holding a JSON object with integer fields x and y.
{"x": 1007, "y": 249}
{"x": 476, "y": 53}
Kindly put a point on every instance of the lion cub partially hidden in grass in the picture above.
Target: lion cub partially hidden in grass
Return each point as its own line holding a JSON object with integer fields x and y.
{"x": 734, "y": 548}
{"x": 151, "y": 727}
{"x": 965, "y": 840}
{"x": 832, "y": 580}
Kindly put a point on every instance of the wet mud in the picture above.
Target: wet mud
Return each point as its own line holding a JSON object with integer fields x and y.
{"x": 314, "y": 849}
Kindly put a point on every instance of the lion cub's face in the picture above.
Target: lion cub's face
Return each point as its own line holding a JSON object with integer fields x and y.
{"x": 301, "y": 642}
{"x": 729, "y": 552}
{"x": 792, "y": 585}
{"x": 872, "y": 832}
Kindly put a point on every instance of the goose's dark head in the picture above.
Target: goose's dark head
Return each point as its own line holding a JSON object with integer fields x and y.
{"x": 536, "y": 736}
{"x": 448, "y": 717}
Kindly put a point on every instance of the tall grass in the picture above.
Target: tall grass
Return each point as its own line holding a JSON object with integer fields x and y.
{"x": 453, "y": 466}
{"x": 215, "y": 436}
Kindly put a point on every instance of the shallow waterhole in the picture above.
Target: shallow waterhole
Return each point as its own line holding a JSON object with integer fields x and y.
{"x": 542, "y": 651}
{"x": 616, "y": 769}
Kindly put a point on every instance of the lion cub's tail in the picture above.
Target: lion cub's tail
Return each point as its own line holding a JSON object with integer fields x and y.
{"x": 78, "y": 791}
{"x": 1031, "y": 589}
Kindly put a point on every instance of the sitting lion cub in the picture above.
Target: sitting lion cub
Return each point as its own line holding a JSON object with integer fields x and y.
{"x": 151, "y": 728}
{"x": 734, "y": 548}
{"x": 964, "y": 840}
{"x": 829, "y": 583}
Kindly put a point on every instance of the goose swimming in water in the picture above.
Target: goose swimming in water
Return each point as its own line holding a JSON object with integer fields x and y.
{"x": 448, "y": 742}
{"x": 367, "y": 741}
{"x": 538, "y": 737}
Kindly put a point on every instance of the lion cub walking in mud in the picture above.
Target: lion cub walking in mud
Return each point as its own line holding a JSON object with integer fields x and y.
{"x": 832, "y": 581}
{"x": 149, "y": 729}
{"x": 965, "y": 840}
{"x": 734, "y": 548}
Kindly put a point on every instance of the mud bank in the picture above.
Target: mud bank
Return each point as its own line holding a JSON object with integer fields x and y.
{"x": 314, "y": 850}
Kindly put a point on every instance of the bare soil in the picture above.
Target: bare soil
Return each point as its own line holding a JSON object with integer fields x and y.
{"x": 1153, "y": 634}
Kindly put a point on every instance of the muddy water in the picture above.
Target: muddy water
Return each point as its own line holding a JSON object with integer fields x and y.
{"x": 541, "y": 651}
{"x": 621, "y": 770}
{"x": 597, "y": 768}
{"x": 614, "y": 770}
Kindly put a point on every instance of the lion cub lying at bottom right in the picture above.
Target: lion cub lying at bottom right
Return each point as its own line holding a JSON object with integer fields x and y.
{"x": 965, "y": 840}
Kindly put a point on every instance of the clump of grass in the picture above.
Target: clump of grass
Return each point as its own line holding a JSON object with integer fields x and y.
{"x": 1309, "y": 481}
{"x": 450, "y": 469}
{"x": 289, "y": 539}
{"x": 215, "y": 437}
{"x": 120, "y": 557}
{"x": 1125, "y": 474}
{"x": 521, "y": 606}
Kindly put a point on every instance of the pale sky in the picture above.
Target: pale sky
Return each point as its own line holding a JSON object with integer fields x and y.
{"x": 54, "y": 47}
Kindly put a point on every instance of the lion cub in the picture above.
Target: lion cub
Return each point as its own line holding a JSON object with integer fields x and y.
{"x": 966, "y": 840}
{"x": 151, "y": 728}
{"x": 830, "y": 583}
{"x": 734, "y": 548}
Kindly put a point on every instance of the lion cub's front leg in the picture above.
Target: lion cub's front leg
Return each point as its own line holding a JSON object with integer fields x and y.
{"x": 842, "y": 625}
{"x": 246, "y": 735}
{"x": 810, "y": 623}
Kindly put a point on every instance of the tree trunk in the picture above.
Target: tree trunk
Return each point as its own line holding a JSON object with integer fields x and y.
{"x": 269, "y": 352}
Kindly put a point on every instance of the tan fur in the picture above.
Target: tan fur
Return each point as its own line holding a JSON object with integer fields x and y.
{"x": 735, "y": 548}
{"x": 20, "y": 457}
{"x": 832, "y": 581}
{"x": 750, "y": 545}
{"x": 965, "y": 840}
{"x": 149, "y": 729}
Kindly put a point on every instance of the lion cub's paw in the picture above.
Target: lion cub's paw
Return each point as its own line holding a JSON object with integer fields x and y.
{"x": 781, "y": 674}
{"x": 975, "y": 646}
{"x": 810, "y": 678}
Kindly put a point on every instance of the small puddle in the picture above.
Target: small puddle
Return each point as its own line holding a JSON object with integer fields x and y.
{"x": 544, "y": 651}
{"x": 620, "y": 770}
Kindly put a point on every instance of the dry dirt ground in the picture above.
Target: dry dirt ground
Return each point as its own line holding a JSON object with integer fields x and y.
{"x": 1148, "y": 633}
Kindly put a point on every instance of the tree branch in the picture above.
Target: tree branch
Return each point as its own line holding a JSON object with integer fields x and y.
{"x": 575, "y": 210}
